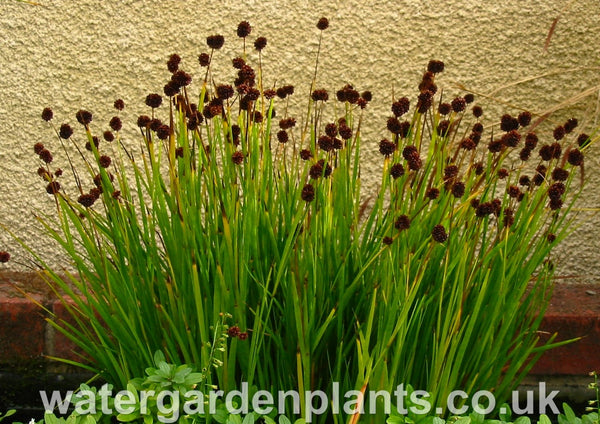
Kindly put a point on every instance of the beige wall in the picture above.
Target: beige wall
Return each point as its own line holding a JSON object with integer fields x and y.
{"x": 85, "y": 53}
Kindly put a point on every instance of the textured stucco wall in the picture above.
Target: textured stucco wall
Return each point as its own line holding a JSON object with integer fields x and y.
{"x": 86, "y": 53}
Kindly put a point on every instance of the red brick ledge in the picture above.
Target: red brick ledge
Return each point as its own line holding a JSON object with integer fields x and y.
{"x": 25, "y": 336}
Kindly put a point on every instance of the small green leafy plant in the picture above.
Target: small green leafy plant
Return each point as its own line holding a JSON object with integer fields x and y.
{"x": 438, "y": 278}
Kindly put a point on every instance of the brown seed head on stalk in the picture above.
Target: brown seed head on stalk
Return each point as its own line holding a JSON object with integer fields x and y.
{"x": 323, "y": 24}
{"x": 439, "y": 233}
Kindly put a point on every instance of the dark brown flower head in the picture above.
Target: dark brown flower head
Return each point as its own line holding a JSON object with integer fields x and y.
{"x": 173, "y": 62}
{"x": 525, "y": 181}
{"x": 556, "y": 190}
{"x": 171, "y": 89}
{"x": 104, "y": 161}
{"x": 477, "y": 111}
{"x": 115, "y": 123}
{"x": 513, "y": 191}
{"x": 320, "y": 169}
{"x": 386, "y": 147}
{"x": 282, "y": 136}
{"x": 287, "y": 123}
{"x": 65, "y": 131}
{"x": 325, "y": 143}
{"x": 442, "y": 128}
{"x": 546, "y": 152}
{"x": 444, "y": 108}
{"x": 234, "y": 330}
{"x": 257, "y": 117}
{"x": 367, "y": 95}
{"x": 469, "y": 98}
{"x": 305, "y": 154}
{"x": 458, "y": 189}
{"x": 86, "y": 200}
{"x": 432, "y": 193}
{"x": 511, "y": 138}
{"x": 244, "y": 29}
{"x": 551, "y": 238}
{"x": 204, "y": 59}
{"x": 450, "y": 172}
{"x": 550, "y": 151}
{"x": 96, "y": 192}
{"x": 153, "y": 100}
{"x": 555, "y": 204}
{"x": 260, "y": 43}
{"x": 237, "y": 157}
{"x": 243, "y": 336}
{"x": 387, "y": 240}
{"x": 348, "y": 94}
{"x": 495, "y": 146}
{"x": 393, "y": 125}
{"x": 524, "y": 118}
{"x": 84, "y": 117}
{"x": 424, "y": 102}
{"x": 475, "y": 203}
{"x": 509, "y": 217}
{"x": 559, "y": 133}
{"x": 459, "y": 104}
{"x": 402, "y": 223}
{"x": 143, "y": 121}
{"x": 108, "y": 136}
{"x": 46, "y": 156}
{"x": 525, "y": 154}
{"x": 439, "y": 233}
{"x": 410, "y": 152}
{"x": 181, "y": 79}
{"x": 308, "y": 193}
{"x": 401, "y": 106}
{"x": 215, "y": 42}
{"x": 477, "y": 128}
{"x": 345, "y": 131}
{"x": 540, "y": 175}
{"x": 246, "y": 75}
{"x": 163, "y": 132}
{"x": 570, "y": 125}
{"x": 427, "y": 83}
{"x": 502, "y": 173}
{"x": 225, "y": 91}
{"x": 155, "y": 124}
{"x": 53, "y": 187}
{"x": 320, "y": 95}
{"x": 468, "y": 144}
{"x": 479, "y": 168}
{"x": 331, "y": 129}
{"x": 43, "y": 172}
{"x": 284, "y": 91}
{"x": 583, "y": 140}
{"x": 323, "y": 24}
{"x": 531, "y": 140}
{"x": 484, "y": 209}
{"x": 415, "y": 163}
{"x": 47, "y": 114}
{"x": 179, "y": 152}
{"x": 508, "y": 123}
{"x": 119, "y": 104}
{"x": 269, "y": 94}
{"x": 4, "y": 257}
{"x": 95, "y": 142}
{"x": 560, "y": 174}
{"x": 38, "y": 147}
{"x": 575, "y": 157}
{"x": 435, "y": 66}
{"x": 397, "y": 170}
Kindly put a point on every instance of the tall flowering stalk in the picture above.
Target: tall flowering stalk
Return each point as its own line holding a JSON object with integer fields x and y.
{"x": 439, "y": 279}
